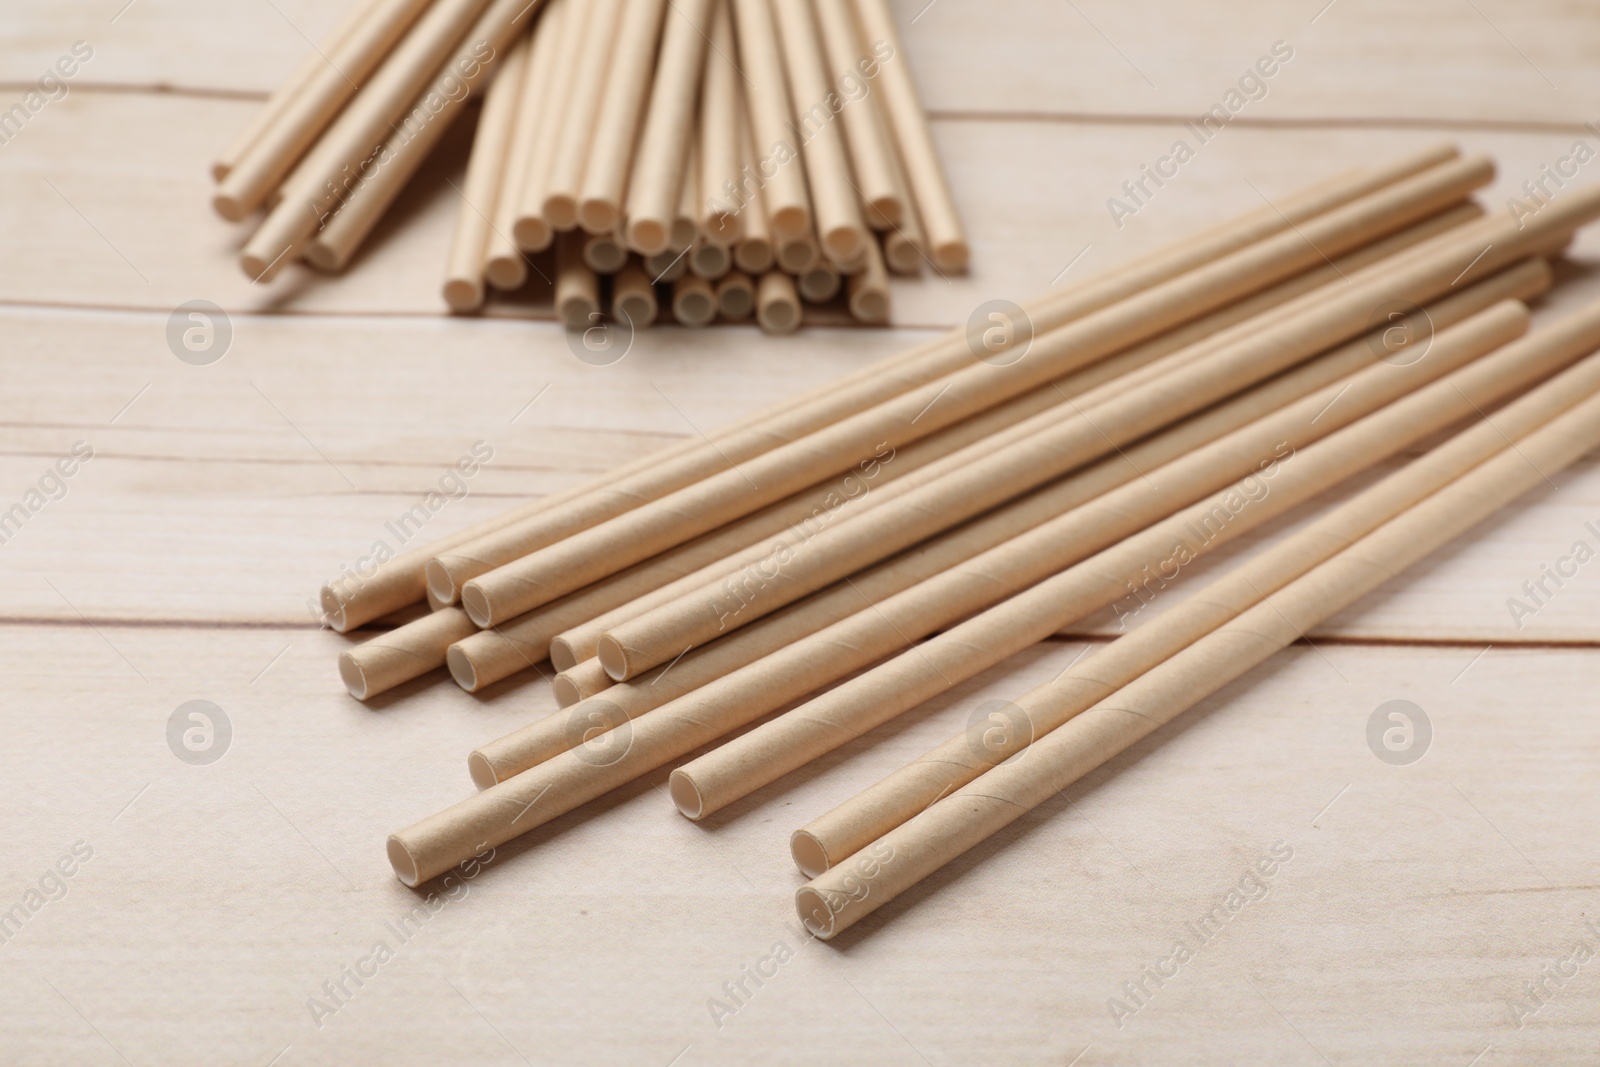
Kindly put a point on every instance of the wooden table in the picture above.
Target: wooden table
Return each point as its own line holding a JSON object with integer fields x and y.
{"x": 220, "y": 905}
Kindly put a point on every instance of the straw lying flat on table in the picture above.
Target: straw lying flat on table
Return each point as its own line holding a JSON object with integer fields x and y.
{"x": 682, "y": 139}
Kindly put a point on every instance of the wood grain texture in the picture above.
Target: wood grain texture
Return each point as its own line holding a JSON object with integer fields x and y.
{"x": 1419, "y": 903}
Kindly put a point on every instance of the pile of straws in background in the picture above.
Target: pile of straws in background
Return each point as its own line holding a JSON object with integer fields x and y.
{"x": 725, "y": 157}
{"x": 896, "y": 533}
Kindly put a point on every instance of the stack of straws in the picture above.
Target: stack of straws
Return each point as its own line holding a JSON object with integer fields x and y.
{"x": 736, "y": 156}
{"x": 1162, "y": 411}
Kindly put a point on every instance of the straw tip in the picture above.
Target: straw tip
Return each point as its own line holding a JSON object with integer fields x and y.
{"x": 597, "y": 216}
{"x": 648, "y": 237}
{"x": 463, "y": 294}
{"x": 403, "y": 862}
{"x": 352, "y": 675}
{"x": 690, "y": 804}
{"x": 613, "y": 657}
{"x": 814, "y": 912}
{"x": 462, "y": 669}
{"x": 566, "y": 691}
{"x": 333, "y": 610}
{"x": 481, "y": 770}
{"x": 228, "y": 206}
{"x": 952, "y": 256}
{"x": 808, "y": 853}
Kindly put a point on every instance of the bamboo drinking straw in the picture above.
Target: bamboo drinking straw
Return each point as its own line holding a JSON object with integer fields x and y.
{"x": 1184, "y": 385}
{"x": 770, "y": 112}
{"x": 562, "y": 783}
{"x": 668, "y": 127}
{"x": 582, "y": 104}
{"x": 821, "y": 283}
{"x": 411, "y": 651}
{"x": 736, "y": 296}
{"x": 847, "y": 893}
{"x": 336, "y": 75}
{"x": 604, "y": 253}
{"x": 777, "y": 303}
{"x": 617, "y": 124}
{"x": 833, "y": 196}
{"x": 838, "y": 631}
{"x": 347, "y": 146}
{"x": 633, "y": 298}
{"x": 709, "y": 260}
{"x": 508, "y": 590}
{"x": 535, "y": 125}
{"x": 925, "y": 175}
{"x": 694, "y": 302}
{"x": 881, "y": 201}
{"x": 869, "y": 290}
{"x": 491, "y": 143}
{"x": 271, "y": 113}
{"x": 522, "y": 224}
{"x": 896, "y": 799}
{"x": 718, "y": 215}
{"x": 347, "y": 604}
{"x": 577, "y": 296}
{"x": 753, "y": 253}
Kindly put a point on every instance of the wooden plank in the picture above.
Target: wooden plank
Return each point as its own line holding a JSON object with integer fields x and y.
{"x": 1418, "y": 902}
{"x": 129, "y": 226}
{"x": 1430, "y": 62}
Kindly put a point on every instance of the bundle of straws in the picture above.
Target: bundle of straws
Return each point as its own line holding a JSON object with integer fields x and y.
{"x": 890, "y": 536}
{"x": 726, "y": 157}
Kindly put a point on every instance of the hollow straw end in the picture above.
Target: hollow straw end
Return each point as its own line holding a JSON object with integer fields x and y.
{"x": 566, "y": 692}
{"x": 229, "y": 207}
{"x": 952, "y": 256}
{"x": 353, "y": 675}
{"x": 808, "y": 853}
{"x": 404, "y": 864}
{"x": 463, "y": 294}
{"x": 684, "y": 794}
{"x": 597, "y": 215}
{"x": 462, "y": 669}
{"x": 813, "y": 910}
{"x": 481, "y": 770}
{"x": 613, "y": 657}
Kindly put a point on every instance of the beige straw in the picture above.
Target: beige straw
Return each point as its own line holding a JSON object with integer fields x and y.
{"x": 604, "y": 253}
{"x": 270, "y": 114}
{"x": 427, "y": 58}
{"x": 830, "y": 634}
{"x": 709, "y": 259}
{"x": 666, "y": 266}
{"x": 720, "y": 155}
{"x": 896, "y": 799}
{"x": 633, "y": 298}
{"x": 350, "y": 602}
{"x": 834, "y": 200}
{"x": 400, "y": 655}
{"x": 577, "y": 297}
{"x": 770, "y": 113}
{"x": 848, "y": 892}
{"x": 581, "y": 99}
{"x": 681, "y": 236}
{"x": 869, "y": 290}
{"x": 334, "y": 75}
{"x": 736, "y": 296}
{"x": 694, "y": 302}
{"x": 659, "y": 163}
{"x": 486, "y": 167}
{"x": 521, "y": 224}
{"x": 777, "y": 303}
{"x": 754, "y": 251}
{"x": 579, "y": 682}
{"x": 796, "y": 255}
{"x": 925, "y": 175}
{"x": 820, "y": 284}
{"x": 882, "y": 202}
{"x": 617, "y": 124}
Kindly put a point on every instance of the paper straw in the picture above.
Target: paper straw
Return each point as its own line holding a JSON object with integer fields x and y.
{"x": 336, "y": 72}
{"x": 617, "y": 123}
{"x": 736, "y": 296}
{"x": 770, "y": 111}
{"x": 858, "y": 822}
{"x": 550, "y": 571}
{"x": 881, "y": 200}
{"x": 577, "y": 297}
{"x": 658, "y": 170}
{"x": 869, "y": 290}
{"x": 581, "y": 102}
{"x": 925, "y": 175}
{"x": 579, "y": 682}
{"x": 720, "y": 157}
{"x": 829, "y": 635}
{"x": 753, "y": 253}
{"x": 709, "y": 260}
{"x": 834, "y": 200}
{"x": 347, "y": 603}
{"x": 847, "y": 893}
{"x": 400, "y": 655}
{"x": 270, "y": 114}
{"x": 491, "y": 143}
{"x": 777, "y": 303}
{"x": 796, "y": 255}
{"x": 694, "y": 302}
{"x": 633, "y": 298}
{"x": 520, "y": 222}
{"x": 427, "y": 57}
{"x": 604, "y": 253}
{"x": 684, "y": 228}
{"x": 820, "y": 284}
{"x": 666, "y": 267}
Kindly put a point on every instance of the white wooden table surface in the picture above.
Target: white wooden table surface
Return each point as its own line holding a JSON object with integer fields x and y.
{"x": 1419, "y": 903}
